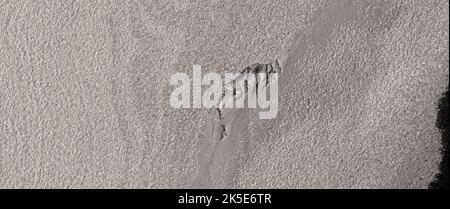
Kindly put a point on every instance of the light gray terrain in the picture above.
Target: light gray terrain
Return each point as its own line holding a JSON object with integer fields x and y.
{"x": 84, "y": 93}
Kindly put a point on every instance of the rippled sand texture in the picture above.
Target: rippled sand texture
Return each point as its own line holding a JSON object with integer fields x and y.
{"x": 84, "y": 93}
{"x": 358, "y": 100}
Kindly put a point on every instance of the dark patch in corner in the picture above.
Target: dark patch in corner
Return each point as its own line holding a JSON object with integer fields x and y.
{"x": 441, "y": 180}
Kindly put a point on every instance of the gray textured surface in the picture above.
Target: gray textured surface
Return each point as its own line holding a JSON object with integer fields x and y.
{"x": 84, "y": 93}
